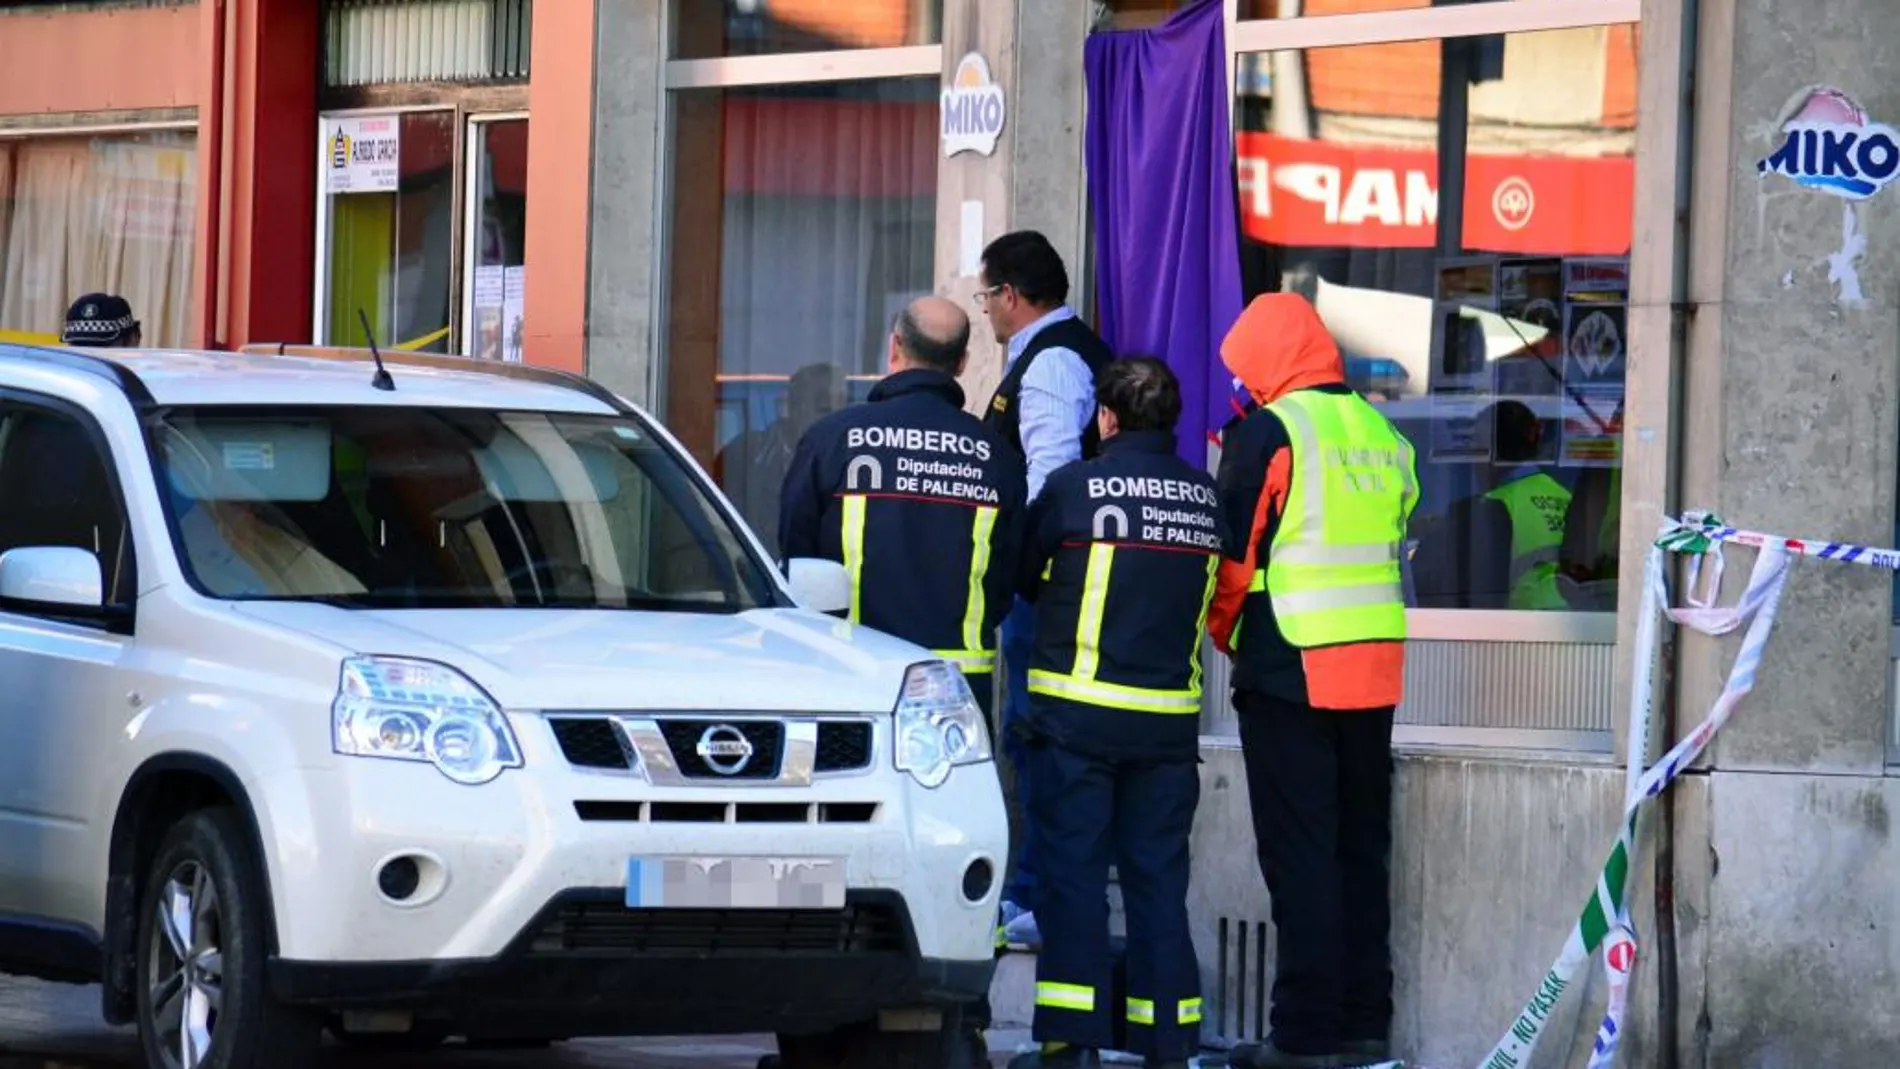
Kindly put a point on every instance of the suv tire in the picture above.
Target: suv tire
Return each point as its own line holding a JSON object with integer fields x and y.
{"x": 202, "y": 945}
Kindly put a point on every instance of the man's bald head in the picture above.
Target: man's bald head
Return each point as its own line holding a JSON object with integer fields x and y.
{"x": 931, "y": 332}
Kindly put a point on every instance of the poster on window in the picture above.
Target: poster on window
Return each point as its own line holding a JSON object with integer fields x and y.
{"x": 513, "y": 316}
{"x": 1466, "y": 292}
{"x": 362, "y": 154}
{"x": 1595, "y": 361}
{"x": 489, "y": 290}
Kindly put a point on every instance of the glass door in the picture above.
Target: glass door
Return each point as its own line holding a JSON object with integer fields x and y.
{"x": 495, "y": 235}
{"x": 385, "y": 229}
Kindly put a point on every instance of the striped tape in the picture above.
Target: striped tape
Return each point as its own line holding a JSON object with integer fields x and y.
{"x": 1605, "y": 915}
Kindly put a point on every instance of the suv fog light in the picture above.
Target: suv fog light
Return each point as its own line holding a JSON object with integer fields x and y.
{"x": 978, "y": 878}
{"x": 411, "y": 879}
{"x": 399, "y": 878}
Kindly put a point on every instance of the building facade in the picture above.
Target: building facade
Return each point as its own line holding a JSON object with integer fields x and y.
{"x": 1638, "y": 248}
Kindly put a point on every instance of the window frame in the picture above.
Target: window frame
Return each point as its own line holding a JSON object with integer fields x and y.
{"x": 1265, "y": 36}
{"x": 470, "y": 215}
{"x": 119, "y": 616}
{"x": 730, "y": 72}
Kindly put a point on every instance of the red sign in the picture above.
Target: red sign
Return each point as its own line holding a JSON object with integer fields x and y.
{"x": 1315, "y": 193}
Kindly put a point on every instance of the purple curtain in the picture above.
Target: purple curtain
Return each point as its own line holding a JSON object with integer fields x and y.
{"x": 1161, "y": 183}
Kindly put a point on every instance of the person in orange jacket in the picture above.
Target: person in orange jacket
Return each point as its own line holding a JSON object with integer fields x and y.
{"x": 1317, "y": 487}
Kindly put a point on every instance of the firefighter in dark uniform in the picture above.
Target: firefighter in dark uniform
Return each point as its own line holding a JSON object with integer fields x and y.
{"x": 922, "y": 504}
{"x": 1120, "y": 558}
{"x": 916, "y": 498}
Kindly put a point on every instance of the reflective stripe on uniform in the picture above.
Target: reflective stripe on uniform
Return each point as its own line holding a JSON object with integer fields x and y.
{"x": 1114, "y": 695}
{"x": 1142, "y": 1011}
{"x": 853, "y": 511}
{"x": 971, "y": 661}
{"x": 1077, "y": 997}
{"x": 1088, "y": 622}
{"x": 1200, "y": 624}
{"x": 974, "y": 607}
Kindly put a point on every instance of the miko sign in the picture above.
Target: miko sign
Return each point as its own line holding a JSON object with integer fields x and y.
{"x": 972, "y": 109}
{"x": 1831, "y": 146}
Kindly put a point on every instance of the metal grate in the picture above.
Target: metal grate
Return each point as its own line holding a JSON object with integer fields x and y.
{"x": 590, "y": 743}
{"x": 383, "y": 42}
{"x": 843, "y": 746}
{"x": 609, "y": 928}
{"x": 1242, "y": 976}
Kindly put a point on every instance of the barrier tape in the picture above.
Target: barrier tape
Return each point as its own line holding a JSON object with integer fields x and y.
{"x": 27, "y": 337}
{"x": 1605, "y": 913}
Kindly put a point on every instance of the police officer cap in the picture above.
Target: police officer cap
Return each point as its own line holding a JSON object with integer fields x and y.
{"x": 98, "y": 319}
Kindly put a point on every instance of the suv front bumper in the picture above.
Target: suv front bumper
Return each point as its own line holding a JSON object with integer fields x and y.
{"x": 588, "y": 966}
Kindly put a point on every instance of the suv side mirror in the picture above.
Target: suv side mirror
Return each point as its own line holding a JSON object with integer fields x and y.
{"x": 51, "y": 575}
{"x": 819, "y": 585}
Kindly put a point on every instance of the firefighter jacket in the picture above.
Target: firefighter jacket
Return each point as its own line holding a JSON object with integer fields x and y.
{"x": 1120, "y": 559}
{"x": 1318, "y": 488}
{"x": 923, "y": 507}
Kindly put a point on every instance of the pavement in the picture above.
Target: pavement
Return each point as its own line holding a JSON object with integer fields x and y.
{"x": 57, "y": 1026}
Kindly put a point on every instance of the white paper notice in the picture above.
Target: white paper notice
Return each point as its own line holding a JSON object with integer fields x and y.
{"x": 970, "y": 239}
{"x": 362, "y": 154}
{"x": 513, "y": 319}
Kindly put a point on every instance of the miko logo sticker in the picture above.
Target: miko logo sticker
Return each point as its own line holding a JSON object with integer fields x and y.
{"x": 1513, "y": 203}
{"x": 972, "y": 109}
{"x": 1830, "y": 145}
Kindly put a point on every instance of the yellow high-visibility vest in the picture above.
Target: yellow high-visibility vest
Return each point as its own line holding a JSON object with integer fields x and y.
{"x": 1537, "y": 505}
{"x": 1332, "y": 571}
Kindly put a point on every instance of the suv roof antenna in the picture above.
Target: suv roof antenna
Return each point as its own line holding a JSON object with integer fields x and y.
{"x": 381, "y": 379}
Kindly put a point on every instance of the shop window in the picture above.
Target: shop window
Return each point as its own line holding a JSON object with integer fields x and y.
{"x": 497, "y": 278}
{"x": 1460, "y": 213}
{"x": 388, "y": 231}
{"x": 803, "y": 218}
{"x": 87, "y": 214}
{"x": 711, "y": 29}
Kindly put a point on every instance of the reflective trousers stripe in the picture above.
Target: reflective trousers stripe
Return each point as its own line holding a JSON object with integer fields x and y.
{"x": 974, "y": 607}
{"x": 1114, "y": 695}
{"x": 1142, "y": 1011}
{"x": 970, "y": 660}
{"x": 853, "y": 505}
{"x": 1077, "y": 997}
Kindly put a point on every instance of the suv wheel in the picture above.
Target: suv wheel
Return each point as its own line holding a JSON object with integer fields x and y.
{"x": 201, "y": 950}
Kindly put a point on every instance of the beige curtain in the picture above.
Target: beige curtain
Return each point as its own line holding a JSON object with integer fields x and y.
{"x": 100, "y": 214}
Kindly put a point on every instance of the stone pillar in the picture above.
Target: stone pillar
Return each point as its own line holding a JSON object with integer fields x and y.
{"x": 1794, "y": 363}
{"x": 622, "y": 316}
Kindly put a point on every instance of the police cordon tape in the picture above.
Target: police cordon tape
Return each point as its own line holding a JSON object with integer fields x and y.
{"x": 1605, "y": 921}
{"x": 28, "y": 337}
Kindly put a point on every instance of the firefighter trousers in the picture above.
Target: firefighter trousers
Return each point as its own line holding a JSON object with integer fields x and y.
{"x": 1089, "y": 813}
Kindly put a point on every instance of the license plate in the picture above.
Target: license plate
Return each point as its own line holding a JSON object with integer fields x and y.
{"x": 735, "y": 883}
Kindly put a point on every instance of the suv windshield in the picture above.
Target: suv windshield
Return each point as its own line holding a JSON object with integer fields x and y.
{"x": 393, "y": 507}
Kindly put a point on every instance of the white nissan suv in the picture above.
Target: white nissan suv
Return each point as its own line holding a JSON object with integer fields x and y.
{"x": 453, "y": 700}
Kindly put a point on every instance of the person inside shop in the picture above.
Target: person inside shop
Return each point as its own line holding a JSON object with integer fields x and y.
{"x": 1525, "y": 510}
{"x": 101, "y": 321}
{"x": 1119, "y": 561}
{"x": 1318, "y": 488}
{"x": 1044, "y": 410}
{"x": 751, "y": 468}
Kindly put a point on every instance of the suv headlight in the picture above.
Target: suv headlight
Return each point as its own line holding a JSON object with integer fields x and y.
{"x": 939, "y": 724}
{"x": 421, "y": 711}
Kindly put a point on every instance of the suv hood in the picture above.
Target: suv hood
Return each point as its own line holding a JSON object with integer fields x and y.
{"x": 767, "y": 659}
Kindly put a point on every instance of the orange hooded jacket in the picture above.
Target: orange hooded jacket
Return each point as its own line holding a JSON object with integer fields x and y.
{"x": 1277, "y": 346}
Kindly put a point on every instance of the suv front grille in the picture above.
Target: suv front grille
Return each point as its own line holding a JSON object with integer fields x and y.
{"x": 597, "y": 742}
{"x": 609, "y": 928}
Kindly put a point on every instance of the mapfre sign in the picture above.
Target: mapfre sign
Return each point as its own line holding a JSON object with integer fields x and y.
{"x": 1313, "y": 193}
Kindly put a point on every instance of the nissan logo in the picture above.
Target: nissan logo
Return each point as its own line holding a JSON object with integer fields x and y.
{"x": 725, "y": 749}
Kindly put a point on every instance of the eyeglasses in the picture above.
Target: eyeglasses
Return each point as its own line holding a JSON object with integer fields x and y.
{"x": 983, "y": 295}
